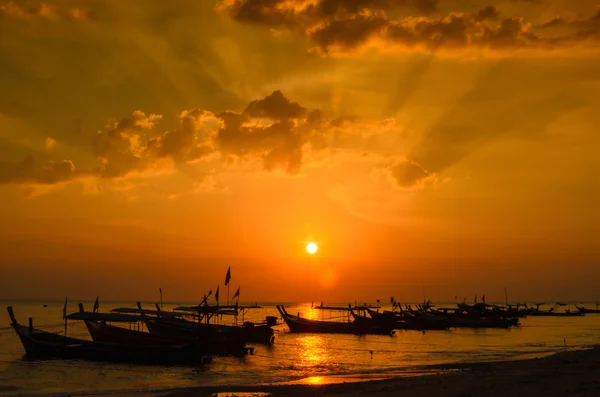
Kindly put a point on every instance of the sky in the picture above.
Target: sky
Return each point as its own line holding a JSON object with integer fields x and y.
{"x": 438, "y": 148}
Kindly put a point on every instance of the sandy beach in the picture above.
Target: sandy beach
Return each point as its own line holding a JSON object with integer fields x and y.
{"x": 572, "y": 373}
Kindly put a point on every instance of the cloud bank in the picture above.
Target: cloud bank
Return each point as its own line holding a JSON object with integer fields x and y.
{"x": 336, "y": 27}
{"x": 274, "y": 132}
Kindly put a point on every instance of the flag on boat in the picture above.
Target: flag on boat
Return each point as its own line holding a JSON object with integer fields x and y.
{"x": 228, "y": 275}
{"x": 96, "y": 305}
{"x": 217, "y": 294}
{"x": 65, "y": 309}
{"x": 237, "y": 294}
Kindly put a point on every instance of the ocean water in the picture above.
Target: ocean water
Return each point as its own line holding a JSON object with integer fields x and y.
{"x": 292, "y": 357}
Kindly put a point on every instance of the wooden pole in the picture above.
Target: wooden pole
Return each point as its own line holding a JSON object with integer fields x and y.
{"x": 161, "y": 299}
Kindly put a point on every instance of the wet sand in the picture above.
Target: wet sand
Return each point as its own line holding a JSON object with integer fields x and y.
{"x": 568, "y": 373}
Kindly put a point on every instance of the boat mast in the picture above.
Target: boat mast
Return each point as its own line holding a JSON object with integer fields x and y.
{"x": 161, "y": 299}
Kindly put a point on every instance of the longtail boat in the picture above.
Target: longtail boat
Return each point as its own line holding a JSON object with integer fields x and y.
{"x": 303, "y": 325}
{"x": 189, "y": 321}
{"x": 421, "y": 321}
{"x": 46, "y": 345}
{"x": 585, "y": 310}
{"x": 210, "y": 340}
{"x": 490, "y": 310}
{"x": 552, "y": 311}
{"x": 458, "y": 318}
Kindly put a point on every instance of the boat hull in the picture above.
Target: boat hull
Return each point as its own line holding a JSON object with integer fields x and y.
{"x": 262, "y": 334}
{"x": 300, "y": 325}
{"x": 43, "y": 345}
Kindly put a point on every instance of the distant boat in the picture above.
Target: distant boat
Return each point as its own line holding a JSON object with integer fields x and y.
{"x": 45, "y": 345}
{"x": 458, "y": 318}
{"x": 582, "y": 309}
{"x": 536, "y": 311}
{"x": 551, "y": 312}
{"x": 488, "y": 310}
{"x": 303, "y": 325}
{"x": 409, "y": 321}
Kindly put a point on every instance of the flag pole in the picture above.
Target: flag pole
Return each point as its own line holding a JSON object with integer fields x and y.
{"x": 161, "y": 299}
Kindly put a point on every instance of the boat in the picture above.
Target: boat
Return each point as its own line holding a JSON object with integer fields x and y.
{"x": 210, "y": 340}
{"x": 585, "y": 310}
{"x": 303, "y": 325}
{"x": 551, "y": 312}
{"x": 463, "y": 316}
{"x": 40, "y": 344}
{"x": 191, "y": 321}
{"x": 490, "y": 310}
{"x": 409, "y": 321}
{"x": 458, "y": 318}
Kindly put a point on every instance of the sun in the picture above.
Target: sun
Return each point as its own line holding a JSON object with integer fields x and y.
{"x": 311, "y": 248}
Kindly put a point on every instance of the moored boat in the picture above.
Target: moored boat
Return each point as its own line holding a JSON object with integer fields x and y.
{"x": 420, "y": 321}
{"x": 190, "y": 322}
{"x": 303, "y": 325}
{"x": 45, "y": 345}
{"x": 208, "y": 339}
{"x": 585, "y": 310}
{"x": 536, "y": 311}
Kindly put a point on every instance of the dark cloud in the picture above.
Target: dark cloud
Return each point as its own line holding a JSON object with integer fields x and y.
{"x": 302, "y": 13}
{"x": 28, "y": 172}
{"x": 282, "y": 142}
{"x": 328, "y": 8}
{"x": 409, "y": 174}
{"x": 14, "y": 9}
{"x": 488, "y": 13}
{"x": 273, "y": 129}
{"x": 348, "y": 33}
{"x": 279, "y": 143}
{"x": 334, "y": 26}
{"x": 275, "y": 106}
{"x": 121, "y": 146}
{"x": 192, "y": 140}
{"x": 581, "y": 28}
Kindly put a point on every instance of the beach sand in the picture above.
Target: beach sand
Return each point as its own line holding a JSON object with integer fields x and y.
{"x": 568, "y": 373}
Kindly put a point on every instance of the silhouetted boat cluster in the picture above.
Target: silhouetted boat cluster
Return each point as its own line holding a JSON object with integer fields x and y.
{"x": 192, "y": 335}
{"x": 367, "y": 319}
{"x": 185, "y": 336}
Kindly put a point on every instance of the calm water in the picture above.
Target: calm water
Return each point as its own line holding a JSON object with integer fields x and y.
{"x": 293, "y": 356}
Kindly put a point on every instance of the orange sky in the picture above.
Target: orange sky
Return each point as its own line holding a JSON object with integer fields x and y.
{"x": 446, "y": 148}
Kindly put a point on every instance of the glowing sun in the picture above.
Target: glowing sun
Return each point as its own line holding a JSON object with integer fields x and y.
{"x": 311, "y": 248}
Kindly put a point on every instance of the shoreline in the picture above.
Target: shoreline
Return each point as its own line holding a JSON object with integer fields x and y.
{"x": 572, "y": 371}
{"x": 568, "y": 372}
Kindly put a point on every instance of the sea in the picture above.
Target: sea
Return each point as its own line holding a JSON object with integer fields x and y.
{"x": 305, "y": 358}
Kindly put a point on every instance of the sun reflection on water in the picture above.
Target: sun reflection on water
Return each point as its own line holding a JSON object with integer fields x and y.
{"x": 315, "y": 380}
{"x": 312, "y": 350}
